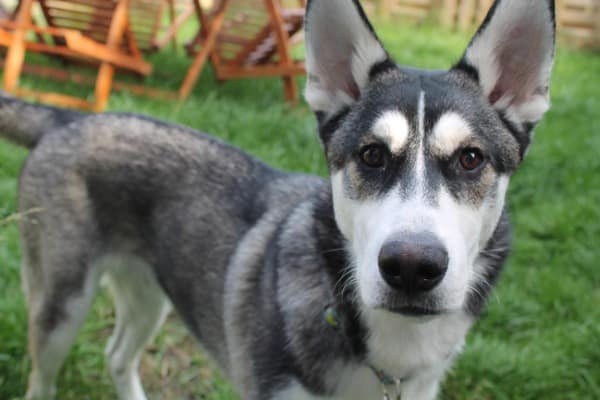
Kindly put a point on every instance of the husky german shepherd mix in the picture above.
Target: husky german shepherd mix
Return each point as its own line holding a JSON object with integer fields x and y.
{"x": 363, "y": 287}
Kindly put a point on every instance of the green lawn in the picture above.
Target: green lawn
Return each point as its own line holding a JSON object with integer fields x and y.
{"x": 540, "y": 336}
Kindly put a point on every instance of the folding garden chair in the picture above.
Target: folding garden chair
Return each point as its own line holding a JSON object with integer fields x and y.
{"x": 151, "y": 30}
{"x": 89, "y": 31}
{"x": 247, "y": 38}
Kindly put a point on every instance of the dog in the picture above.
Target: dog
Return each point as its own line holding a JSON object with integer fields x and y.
{"x": 358, "y": 287}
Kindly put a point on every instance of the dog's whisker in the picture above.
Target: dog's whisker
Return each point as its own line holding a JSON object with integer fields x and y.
{"x": 335, "y": 250}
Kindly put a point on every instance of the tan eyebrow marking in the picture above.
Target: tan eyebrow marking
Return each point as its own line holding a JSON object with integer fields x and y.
{"x": 392, "y": 127}
{"x": 449, "y": 132}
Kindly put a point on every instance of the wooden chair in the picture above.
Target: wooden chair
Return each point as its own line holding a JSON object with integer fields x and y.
{"x": 90, "y": 31}
{"x": 151, "y": 30}
{"x": 247, "y": 38}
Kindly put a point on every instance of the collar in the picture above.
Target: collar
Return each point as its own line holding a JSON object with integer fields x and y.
{"x": 388, "y": 381}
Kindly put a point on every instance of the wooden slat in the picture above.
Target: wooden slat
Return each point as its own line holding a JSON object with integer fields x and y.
{"x": 49, "y": 49}
{"x": 35, "y": 28}
{"x": 96, "y": 4}
{"x": 409, "y": 9}
{"x": 484, "y": 7}
{"x": 589, "y": 4}
{"x": 450, "y": 10}
{"x": 410, "y": 12}
{"x": 87, "y": 11}
{"x": 91, "y": 48}
{"x": 579, "y": 22}
{"x": 245, "y": 52}
{"x": 80, "y": 46}
{"x": 466, "y": 12}
{"x": 56, "y": 98}
{"x": 176, "y": 24}
{"x": 263, "y": 71}
{"x": 82, "y": 79}
{"x": 80, "y": 24}
{"x": 578, "y": 19}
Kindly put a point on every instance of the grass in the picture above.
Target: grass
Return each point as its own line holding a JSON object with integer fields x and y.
{"x": 539, "y": 338}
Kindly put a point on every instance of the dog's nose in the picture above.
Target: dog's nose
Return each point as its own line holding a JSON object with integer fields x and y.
{"x": 413, "y": 263}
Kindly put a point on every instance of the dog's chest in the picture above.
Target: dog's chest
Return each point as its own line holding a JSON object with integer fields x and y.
{"x": 355, "y": 383}
{"x": 417, "y": 353}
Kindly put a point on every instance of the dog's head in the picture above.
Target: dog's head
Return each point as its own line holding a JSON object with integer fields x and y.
{"x": 420, "y": 160}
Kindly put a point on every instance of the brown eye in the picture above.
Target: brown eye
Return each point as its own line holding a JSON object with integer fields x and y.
{"x": 373, "y": 156}
{"x": 470, "y": 159}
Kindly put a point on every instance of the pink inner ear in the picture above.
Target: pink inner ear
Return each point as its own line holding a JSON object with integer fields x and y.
{"x": 335, "y": 68}
{"x": 520, "y": 59}
{"x": 343, "y": 80}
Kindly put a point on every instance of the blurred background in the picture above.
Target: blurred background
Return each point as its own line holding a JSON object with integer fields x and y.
{"x": 234, "y": 69}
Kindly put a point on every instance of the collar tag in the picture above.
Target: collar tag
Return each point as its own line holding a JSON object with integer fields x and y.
{"x": 331, "y": 316}
{"x": 385, "y": 379}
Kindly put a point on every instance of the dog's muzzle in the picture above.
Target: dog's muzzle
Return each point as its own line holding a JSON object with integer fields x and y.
{"x": 413, "y": 263}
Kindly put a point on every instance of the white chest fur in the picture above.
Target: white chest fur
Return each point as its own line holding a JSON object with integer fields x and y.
{"x": 405, "y": 346}
{"x": 355, "y": 383}
{"x": 420, "y": 350}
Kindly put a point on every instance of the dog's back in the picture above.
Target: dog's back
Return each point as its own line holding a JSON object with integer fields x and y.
{"x": 143, "y": 201}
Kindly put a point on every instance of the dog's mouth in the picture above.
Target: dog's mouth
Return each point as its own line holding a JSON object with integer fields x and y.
{"x": 415, "y": 311}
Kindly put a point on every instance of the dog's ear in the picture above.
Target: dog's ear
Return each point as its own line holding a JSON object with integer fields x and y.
{"x": 511, "y": 57}
{"x": 341, "y": 51}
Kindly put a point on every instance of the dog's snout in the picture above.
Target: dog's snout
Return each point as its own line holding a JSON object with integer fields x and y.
{"x": 413, "y": 263}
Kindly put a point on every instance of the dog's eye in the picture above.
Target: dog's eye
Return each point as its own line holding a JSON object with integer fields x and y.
{"x": 373, "y": 156}
{"x": 470, "y": 159}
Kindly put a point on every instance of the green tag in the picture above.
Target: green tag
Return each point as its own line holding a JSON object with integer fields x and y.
{"x": 331, "y": 317}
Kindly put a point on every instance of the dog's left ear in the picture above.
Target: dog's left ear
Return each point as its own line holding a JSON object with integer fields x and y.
{"x": 341, "y": 50}
{"x": 511, "y": 56}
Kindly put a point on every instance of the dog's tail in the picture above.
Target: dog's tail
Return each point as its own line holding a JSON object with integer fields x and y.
{"x": 24, "y": 123}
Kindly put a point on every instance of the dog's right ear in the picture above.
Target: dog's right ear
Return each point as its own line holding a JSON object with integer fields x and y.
{"x": 341, "y": 51}
{"x": 511, "y": 57}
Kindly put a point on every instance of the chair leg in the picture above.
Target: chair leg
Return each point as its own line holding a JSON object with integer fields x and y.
{"x": 173, "y": 17}
{"x": 106, "y": 72}
{"x": 290, "y": 89}
{"x": 283, "y": 47}
{"x": 103, "y": 86}
{"x": 207, "y": 47}
{"x": 15, "y": 57}
{"x": 192, "y": 75}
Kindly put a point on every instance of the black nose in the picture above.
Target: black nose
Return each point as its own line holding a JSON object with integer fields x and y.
{"x": 413, "y": 263}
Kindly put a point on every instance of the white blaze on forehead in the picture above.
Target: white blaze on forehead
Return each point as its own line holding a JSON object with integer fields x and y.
{"x": 420, "y": 161}
{"x": 449, "y": 133}
{"x": 392, "y": 128}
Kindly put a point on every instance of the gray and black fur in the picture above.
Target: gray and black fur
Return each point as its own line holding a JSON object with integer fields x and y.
{"x": 250, "y": 256}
